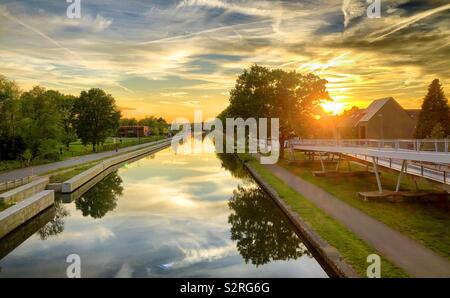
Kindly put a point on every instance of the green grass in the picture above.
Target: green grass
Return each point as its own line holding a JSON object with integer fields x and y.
{"x": 352, "y": 249}
{"x": 60, "y": 178}
{"x": 78, "y": 149}
{"x": 426, "y": 223}
{"x": 4, "y": 206}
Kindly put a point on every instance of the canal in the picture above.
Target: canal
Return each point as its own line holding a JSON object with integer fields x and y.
{"x": 164, "y": 215}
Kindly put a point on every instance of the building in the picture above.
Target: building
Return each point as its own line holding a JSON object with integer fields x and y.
{"x": 382, "y": 119}
{"x": 134, "y": 131}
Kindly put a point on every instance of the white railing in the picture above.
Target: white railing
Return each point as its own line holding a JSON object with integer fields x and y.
{"x": 424, "y": 145}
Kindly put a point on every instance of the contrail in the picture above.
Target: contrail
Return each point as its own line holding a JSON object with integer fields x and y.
{"x": 201, "y": 32}
{"x": 411, "y": 20}
{"x": 46, "y": 37}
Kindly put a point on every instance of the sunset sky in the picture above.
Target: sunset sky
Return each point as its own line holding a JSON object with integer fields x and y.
{"x": 168, "y": 58}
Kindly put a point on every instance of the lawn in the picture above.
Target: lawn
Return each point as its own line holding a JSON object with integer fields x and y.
{"x": 60, "y": 178}
{"x": 352, "y": 249}
{"x": 426, "y": 223}
{"x": 4, "y": 206}
{"x": 78, "y": 149}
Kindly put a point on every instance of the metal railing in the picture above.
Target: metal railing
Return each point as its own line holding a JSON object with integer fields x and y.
{"x": 424, "y": 145}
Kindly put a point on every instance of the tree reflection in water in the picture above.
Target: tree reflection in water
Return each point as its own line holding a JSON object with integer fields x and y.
{"x": 56, "y": 225}
{"x": 102, "y": 198}
{"x": 232, "y": 164}
{"x": 262, "y": 231}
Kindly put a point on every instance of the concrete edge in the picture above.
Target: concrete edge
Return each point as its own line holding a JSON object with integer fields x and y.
{"x": 20, "y": 193}
{"x": 77, "y": 181}
{"x": 16, "y": 215}
{"x": 329, "y": 254}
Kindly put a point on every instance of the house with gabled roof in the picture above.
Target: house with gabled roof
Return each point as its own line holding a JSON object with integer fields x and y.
{"x": 383, "y": 119}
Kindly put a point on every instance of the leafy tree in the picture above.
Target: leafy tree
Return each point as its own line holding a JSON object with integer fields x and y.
{"x": 96, "y": 116}
{"x": 262, "y": 232}
{"x": 128, "y": 122}
{"x": 11, "y": 144}
{"x": 437, "y": 132}
{"x": 289, "y": 96}
{"x": 64, "y": 105}
{"x": 40, "y": 126}
{"x": 158, "y": 125}
{"x": 435, "y": 110}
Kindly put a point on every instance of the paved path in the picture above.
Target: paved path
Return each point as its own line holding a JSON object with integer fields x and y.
{"x": 37, "y": 170}
{"x": 412, "y": 257}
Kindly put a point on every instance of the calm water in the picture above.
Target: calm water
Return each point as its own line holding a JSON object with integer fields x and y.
{"x": 165, "y": 215}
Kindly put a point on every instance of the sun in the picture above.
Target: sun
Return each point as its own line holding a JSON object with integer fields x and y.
{"x": 333, "y": 107}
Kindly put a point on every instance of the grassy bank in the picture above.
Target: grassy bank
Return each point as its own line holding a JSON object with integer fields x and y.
{"x": 426, "y": 223}
{"x": 78, "y": 149}
{"x": 66, "y": 175}
{"x": 352, "y": 249}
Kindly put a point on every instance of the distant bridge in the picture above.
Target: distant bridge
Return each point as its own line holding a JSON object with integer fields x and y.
{"x": 428, "y": 158}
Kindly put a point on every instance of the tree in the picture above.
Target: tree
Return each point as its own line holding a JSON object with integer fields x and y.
{"x": 289, "y": 96}
{"x": 96, "y": 116}
{"x": 11, "y": 144}
{"x": 128, "y": 122}
{"x": 64, "y": 105}
{"x": 435, "y": 110}
{"x": 40, "y": 126}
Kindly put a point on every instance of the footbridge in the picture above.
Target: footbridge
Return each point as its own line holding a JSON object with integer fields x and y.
{"x": 425, "y": 158}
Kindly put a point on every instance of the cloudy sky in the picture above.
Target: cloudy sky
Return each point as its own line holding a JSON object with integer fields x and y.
{"x": 169, "y": 57}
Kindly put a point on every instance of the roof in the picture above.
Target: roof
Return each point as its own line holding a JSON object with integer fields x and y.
{"x": 374, "y": 107}
{"x": 413, "y": 113}
{"x": 352, "y": 119}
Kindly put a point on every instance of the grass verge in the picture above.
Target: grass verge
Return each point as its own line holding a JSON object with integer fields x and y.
{"x": 426, "y": 223}
{"x": 352, "y": 249}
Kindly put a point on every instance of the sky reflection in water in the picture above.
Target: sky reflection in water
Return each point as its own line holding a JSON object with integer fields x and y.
{"x": 166, "y": 215}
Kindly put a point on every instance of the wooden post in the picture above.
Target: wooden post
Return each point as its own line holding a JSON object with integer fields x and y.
{"x": 375, "y": 167}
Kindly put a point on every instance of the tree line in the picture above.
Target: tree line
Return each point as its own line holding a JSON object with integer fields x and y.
{"x": 38, "y": 123}
{"x": 157, "y": 125}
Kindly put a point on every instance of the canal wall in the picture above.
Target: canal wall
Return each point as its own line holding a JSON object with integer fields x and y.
{"x": 20, "y": 193}
{"x": 16, "y": 215}
{"x": 76, "y": 182}
{"x": 329, "y": 254}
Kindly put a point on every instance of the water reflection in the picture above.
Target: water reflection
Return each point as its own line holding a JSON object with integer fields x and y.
{"x": 55, "y": 225}
{"x": 173, "y": 216}
{"x": 262, "y": 232}
{"x": 102, "y": 198}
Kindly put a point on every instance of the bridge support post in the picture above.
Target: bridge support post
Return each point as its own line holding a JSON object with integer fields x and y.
{"x": 399, "y": 180}
{"x": 377, "y": 175}
{"x": 321, "y": 162}
{"x": 338, "y": 162}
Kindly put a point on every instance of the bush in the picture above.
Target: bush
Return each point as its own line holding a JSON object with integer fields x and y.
{"x": 49, "y": 150}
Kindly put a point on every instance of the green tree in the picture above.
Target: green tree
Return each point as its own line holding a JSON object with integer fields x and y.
{"x": 40, "y": 126}
{"x": 128, "y": 122}
{"x": 9, "y": 106}
{"x": 11, "y": 144}
{"x": 437, "y": 132}
{"x": 289, "y": 96}
{"x": 96, "y": 117}
{"x": 64, "y": 105}
{"x": 435, "y": 110}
